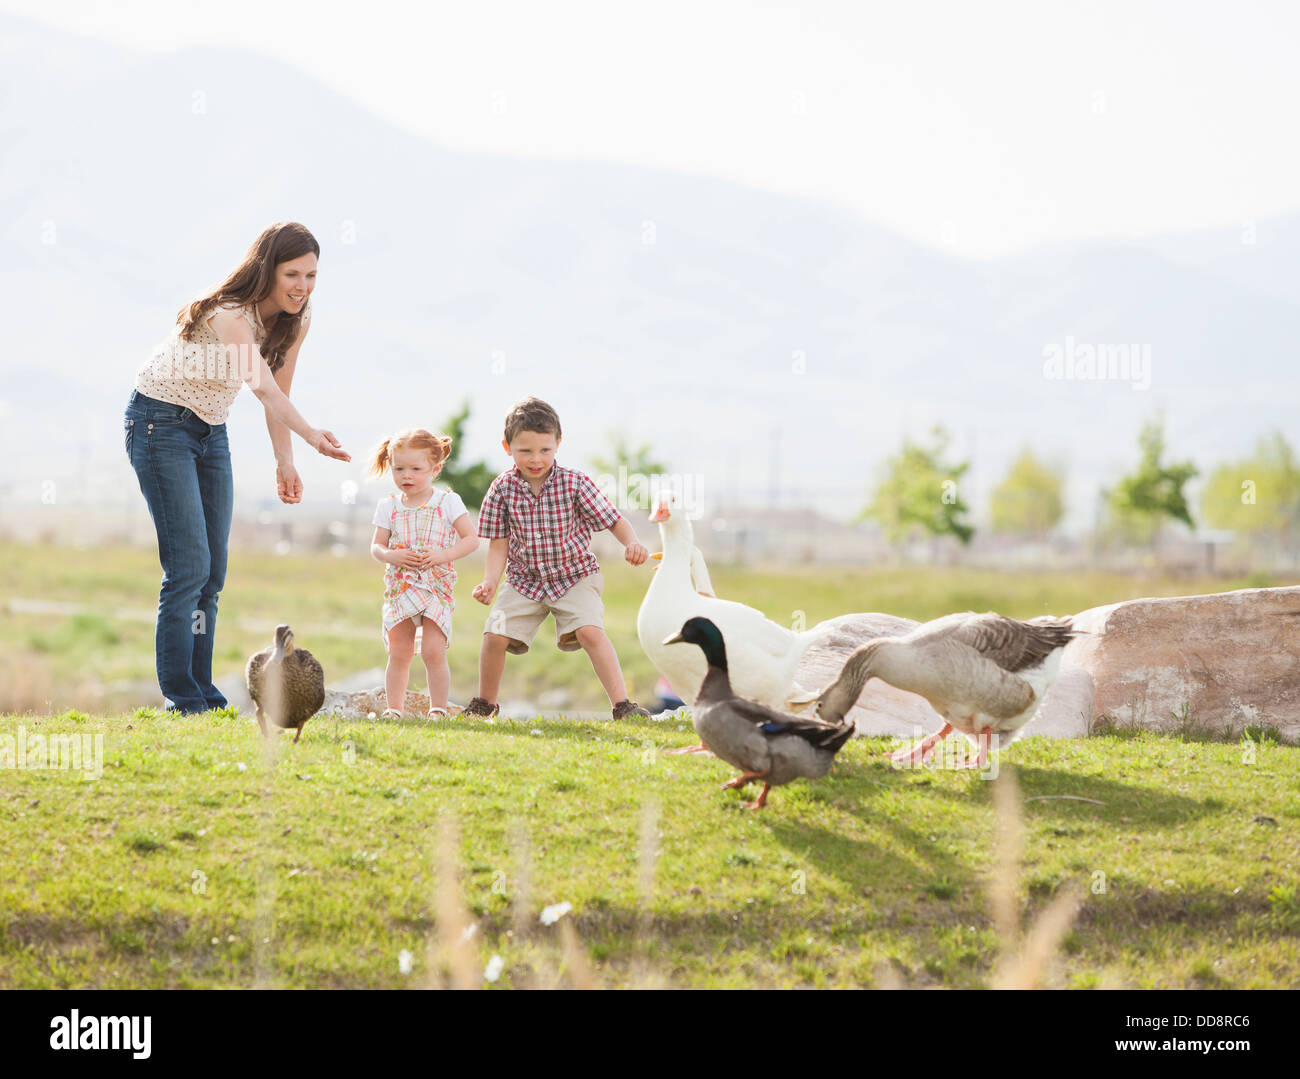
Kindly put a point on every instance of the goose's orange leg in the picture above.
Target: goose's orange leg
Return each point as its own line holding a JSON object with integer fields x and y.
{"x": 982, "y": 750}
{"x": 701, "y": 748}
{"x": 922, "y": 752}
{"x": 760, "y": 801}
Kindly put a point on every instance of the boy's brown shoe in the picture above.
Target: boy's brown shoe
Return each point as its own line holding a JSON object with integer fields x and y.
{"x": 629, "y": 708}
{"x": 478, "y": 706}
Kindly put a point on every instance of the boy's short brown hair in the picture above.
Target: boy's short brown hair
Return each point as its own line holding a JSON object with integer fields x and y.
{"x": 532, "y": 414}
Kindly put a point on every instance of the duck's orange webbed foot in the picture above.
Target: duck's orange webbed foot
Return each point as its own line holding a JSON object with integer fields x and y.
{"x": 741, "y": 780}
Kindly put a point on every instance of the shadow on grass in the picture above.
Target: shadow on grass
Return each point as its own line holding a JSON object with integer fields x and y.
{"x": 932, "y": 867}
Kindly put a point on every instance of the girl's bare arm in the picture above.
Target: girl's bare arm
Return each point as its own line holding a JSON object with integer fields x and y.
{"x": 467, "y": 544}
{"x": 380, "y": 551}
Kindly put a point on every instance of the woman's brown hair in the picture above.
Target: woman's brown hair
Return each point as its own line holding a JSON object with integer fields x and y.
{"x": 254, "y": 280}
{"x": 413, "y": 438}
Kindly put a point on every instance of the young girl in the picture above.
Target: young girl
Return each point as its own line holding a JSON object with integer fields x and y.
{"x": 419, "y": 533}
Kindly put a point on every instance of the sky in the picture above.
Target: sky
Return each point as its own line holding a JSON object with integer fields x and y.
{"x": 979, "y": 129}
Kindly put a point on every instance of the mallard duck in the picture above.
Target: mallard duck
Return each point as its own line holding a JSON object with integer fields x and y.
{"x": 765, "y": 744}
{"x": 985, "y": 674}
{"x": 286, "y": 683}
{"x": 763, "y": 655}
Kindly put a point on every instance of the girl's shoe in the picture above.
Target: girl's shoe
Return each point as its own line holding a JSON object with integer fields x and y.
{"x": 438, "y": 713}
{"x": 392, "y": 713}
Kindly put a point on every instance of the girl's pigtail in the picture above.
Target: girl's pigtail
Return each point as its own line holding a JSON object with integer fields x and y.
{"x": 379, "y": 463}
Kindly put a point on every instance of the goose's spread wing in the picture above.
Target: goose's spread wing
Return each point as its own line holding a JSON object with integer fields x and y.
{"x": 1013, "y": 645}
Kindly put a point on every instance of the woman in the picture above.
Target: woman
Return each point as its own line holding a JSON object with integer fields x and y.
{"x": 248, "y": 330}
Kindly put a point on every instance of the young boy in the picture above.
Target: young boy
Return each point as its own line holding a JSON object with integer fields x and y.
{"x": 539, "y": 518}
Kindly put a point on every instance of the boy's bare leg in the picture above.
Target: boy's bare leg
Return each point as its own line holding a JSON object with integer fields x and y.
{"x": 491, "y": 665}
{"x": 604, "y": 660}
{"x": 401, "y": 648}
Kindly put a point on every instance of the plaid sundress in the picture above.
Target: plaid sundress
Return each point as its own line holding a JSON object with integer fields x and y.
{"x": 410, "y": 592}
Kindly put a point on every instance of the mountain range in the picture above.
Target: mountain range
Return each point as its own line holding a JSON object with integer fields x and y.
{"x": 776, "y": 347}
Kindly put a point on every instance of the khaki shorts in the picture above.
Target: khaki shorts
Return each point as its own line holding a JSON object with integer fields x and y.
{"x": 519, "y": 617}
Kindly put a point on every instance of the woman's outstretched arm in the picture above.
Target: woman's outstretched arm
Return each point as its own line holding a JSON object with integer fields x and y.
{"x": 232, "y": 329}
{"x": 288, "y": 484}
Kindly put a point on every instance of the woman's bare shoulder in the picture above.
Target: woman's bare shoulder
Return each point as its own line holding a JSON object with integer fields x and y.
{"x": 231, "y": 323}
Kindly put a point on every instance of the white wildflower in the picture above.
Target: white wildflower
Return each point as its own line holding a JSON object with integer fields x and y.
{"x": 553, "y": 913}
{"x": 494, "y": 968}
{"x": 404, "y": 961}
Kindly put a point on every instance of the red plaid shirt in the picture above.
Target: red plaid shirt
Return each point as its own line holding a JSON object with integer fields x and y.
{"x": 550, "y": 532}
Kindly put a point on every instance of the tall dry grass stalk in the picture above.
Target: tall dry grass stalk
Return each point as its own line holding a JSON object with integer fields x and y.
{"x": 270, "y": 828}
{"x": 26, "y": 686}
{"x": 644, "y": 973}
{"x": 576, "y": 965}
{"x": 452, "y": 952}
{"x": 1008, "y": 842}
{"x": 523, "y": 917}
{"x": 1028, "y": 970}
{"x": 1026, "y": 966}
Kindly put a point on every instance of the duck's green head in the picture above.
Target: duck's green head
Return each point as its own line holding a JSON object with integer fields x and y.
{"x": 703, "y": 632}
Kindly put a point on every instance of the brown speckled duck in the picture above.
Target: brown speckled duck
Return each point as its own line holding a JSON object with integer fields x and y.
{"x": 286, "y": 683}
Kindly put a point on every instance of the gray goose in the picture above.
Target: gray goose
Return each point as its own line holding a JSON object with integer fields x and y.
{"x": 763, "y": 743}
{"x": 986, "y": 674}
{"x": 286, "y": 683}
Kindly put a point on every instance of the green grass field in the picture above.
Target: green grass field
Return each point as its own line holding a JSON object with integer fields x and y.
{"x": 193, "y": 860}
{"x": 197, "y": 858}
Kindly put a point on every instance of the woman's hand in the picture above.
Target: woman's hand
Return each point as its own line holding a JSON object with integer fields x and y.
{"x": 324, "y": 443}
{"x": 288, "y": 485}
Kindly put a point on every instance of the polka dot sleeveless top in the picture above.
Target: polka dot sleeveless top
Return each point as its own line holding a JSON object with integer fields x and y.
{"x": 198, "y": 374}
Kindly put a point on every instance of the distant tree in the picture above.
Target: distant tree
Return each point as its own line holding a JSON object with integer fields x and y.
{"x": 918, "y": 492}
{"x": 1259, "y": 496}
{"x": 1154, "y": 491}
{"x": 634, "y": 490}
{"x": 469, "y": 481}
{"x": 1029, "y": 501}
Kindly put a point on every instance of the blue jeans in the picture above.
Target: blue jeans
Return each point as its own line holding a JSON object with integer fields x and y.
{"x": 183, "y": 465}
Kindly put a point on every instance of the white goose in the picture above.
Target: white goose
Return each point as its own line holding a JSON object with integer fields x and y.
{"x": 761, "y": 655}
{"x": 984, "y": 673}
